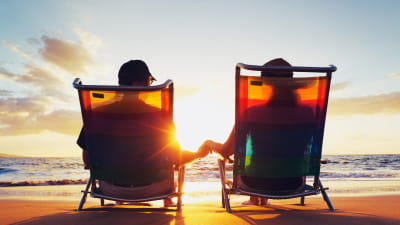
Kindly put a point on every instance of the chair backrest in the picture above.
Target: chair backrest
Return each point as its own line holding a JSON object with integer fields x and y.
{"x": 280, "y": 122}
{"x": 129, "y": 131}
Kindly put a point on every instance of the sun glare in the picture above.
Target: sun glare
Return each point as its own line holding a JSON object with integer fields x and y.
{"x": 199, "y": 118}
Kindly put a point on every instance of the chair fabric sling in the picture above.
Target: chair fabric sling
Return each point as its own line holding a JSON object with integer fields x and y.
{"x": 129, "y": 136}
{"x": 278, "y": 133}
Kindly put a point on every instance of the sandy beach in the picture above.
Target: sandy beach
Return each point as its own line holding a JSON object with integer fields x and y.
{"x": 359, "y": 196}
{"x": 349, "y": 210}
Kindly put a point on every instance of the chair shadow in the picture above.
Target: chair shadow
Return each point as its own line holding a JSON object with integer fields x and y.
{"x": 297, "y": 214}
{"x": 128, "y": 208}
{"x": 111, "y": 215}
{"x": 271, "y": 214}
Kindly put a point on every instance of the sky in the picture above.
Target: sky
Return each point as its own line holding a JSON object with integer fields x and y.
{"x": 44, "y": 45}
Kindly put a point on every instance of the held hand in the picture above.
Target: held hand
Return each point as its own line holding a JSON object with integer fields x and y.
{"x": 213, "y": 146}
{"x": 219, "y": 148}
{"x": 203, "y": 150}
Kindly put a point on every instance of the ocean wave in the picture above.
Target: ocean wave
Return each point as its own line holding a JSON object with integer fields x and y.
{"x": 358, "y": 175}
{"x": 43, "y": 183}
{"x": 7, "y": 170}
{"x": 64, "y": 171}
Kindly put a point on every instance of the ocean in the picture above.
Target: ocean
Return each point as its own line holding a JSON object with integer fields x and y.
{"x": 343, "y": 174}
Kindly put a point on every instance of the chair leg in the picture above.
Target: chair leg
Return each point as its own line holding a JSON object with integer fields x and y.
{"x": 226, "y": 201}
{"x": 302, "y": 198}
{"x": 225, "y": 196}
{"x": 179, "y": 204}
{"x": 181, "y": 177}
{"x": 102, "y": 201}
{"x": 326, "y": 198}
{"x": 85, "y": 192}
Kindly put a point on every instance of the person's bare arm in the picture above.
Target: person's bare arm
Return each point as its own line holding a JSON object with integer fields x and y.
{"x": 225, "y": 149}
{"x": 187, "y": 156}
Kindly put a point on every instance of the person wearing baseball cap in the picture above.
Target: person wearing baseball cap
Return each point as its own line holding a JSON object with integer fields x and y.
{"x": 137, "y": 73}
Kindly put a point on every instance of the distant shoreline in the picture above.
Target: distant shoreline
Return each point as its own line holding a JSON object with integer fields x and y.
{"x": 2, "y": 155}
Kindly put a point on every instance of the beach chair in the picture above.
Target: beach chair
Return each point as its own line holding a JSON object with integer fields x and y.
{"x": 278, "y": 134}
{"x": 129, "y": 132}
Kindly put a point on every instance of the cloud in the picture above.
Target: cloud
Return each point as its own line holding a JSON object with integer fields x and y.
{"x": 24, "y": 116}
{"x": 27, "y": 106}
{"x": 67, "y": 55}
{"x": 18, "y": 115}
{"x": 6, "y": 74}
{"x": 45, "y": 82}
{"x": 5, "y": 93}
{"x": 88, "y": 40}
{"x": 16, "y": 48}
{"x": 376, "y": 104}
{"x": 36, "y": 79}
{"x": 339, "y": 86}
{"x": 393, "y": 75}
{"x": 34, "y": 41}
{"x": 35, "y": 97}
{"x": 71, "y": 121}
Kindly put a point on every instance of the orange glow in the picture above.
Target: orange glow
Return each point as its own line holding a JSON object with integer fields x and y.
{"x": 200, "y": 117}
{"x": 263, "y": 216}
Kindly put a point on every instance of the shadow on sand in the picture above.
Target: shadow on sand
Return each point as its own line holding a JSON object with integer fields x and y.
{"x": 288, "y": 214}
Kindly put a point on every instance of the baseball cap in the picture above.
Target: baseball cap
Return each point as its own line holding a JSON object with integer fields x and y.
{"x": 133, "y": 71}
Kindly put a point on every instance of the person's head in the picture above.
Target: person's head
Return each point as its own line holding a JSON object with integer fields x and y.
{"x": 135, "y": 72}
{"x": 277, "y": 62}
{"x": 281, "y": 96}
